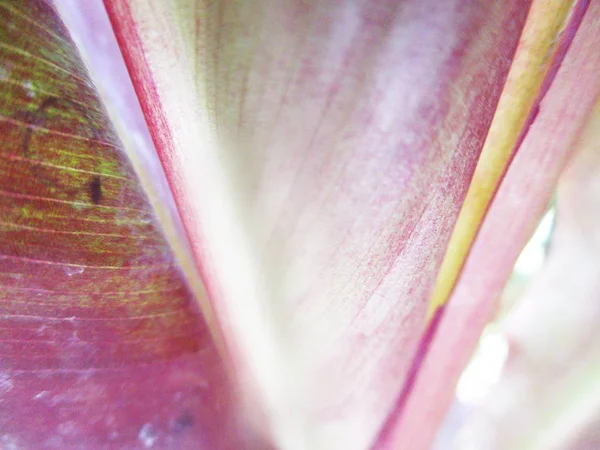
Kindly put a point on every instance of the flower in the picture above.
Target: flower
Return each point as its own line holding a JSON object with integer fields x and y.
{"x": 247, "y": 260}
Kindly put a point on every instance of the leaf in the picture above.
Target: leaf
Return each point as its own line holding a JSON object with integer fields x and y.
{"x": 519, "y": 204}
{"x": 319, "y": 153}
{"x": 101, "y": 341}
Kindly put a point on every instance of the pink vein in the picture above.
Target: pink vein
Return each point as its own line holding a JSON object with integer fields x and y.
{"x": 85, "y": 266}
{"x": 68, "y": 202}
{"x": 103, "y": 293}
{"x": 82, "y": 233}
{"x": 42, "y": 60}
{"x": 56, "y": 166}
{"x": 155, "y": 362}
{"x": 43, "y": 91}
{"x": 56, "y": 132}
{"x": 90, "y": 319}
{"x": 119, "y": 341}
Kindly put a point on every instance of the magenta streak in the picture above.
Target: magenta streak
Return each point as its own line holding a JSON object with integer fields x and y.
{"x": 385, "y": 436}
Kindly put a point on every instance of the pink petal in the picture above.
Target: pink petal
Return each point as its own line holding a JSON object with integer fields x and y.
{"x": 519, "y": 204}
{"x": 319, "y": 153}
{"x": 549, "y": 394}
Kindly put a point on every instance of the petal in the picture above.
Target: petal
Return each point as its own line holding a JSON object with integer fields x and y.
{"x": 549, "y": 394}
{"x": 102, "y": 343}
{"x": 518, "y": 206}
{"x": 319, "y": 152}
{"x": 549, "y": 31}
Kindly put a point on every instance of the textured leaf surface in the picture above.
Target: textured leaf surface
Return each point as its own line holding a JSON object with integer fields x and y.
{"x": 320, "y": 152}
{"x": 101, "y": 344}
{"x": 522, "y": 199}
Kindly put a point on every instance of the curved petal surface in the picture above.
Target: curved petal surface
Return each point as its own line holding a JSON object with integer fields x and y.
{"x": 517, "y": 208}
{"x": 319, "y": 153}
{"x": 549, "y": 394}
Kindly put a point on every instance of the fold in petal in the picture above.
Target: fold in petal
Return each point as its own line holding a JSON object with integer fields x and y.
{"x": 319, "y": 153}
{"x": 101, "y": 342}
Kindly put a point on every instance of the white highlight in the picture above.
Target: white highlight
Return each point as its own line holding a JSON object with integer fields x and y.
{"x": 29, "y": 86}
{"x": 148, "y": 435}
{"x": 6, "y": 383}
{"x": 533, "y": 255}
{"x": 41, "y": 395}
{"x": 73, "y": 270}
{"x": 484, "y": 370}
